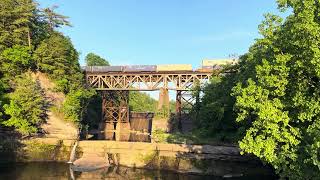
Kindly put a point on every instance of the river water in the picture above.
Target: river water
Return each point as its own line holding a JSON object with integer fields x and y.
{"x": 61, "y": 171}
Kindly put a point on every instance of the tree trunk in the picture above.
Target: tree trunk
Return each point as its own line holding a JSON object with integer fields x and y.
{"x": 29, "y": 38}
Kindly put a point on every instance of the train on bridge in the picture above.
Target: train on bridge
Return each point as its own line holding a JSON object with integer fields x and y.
{"x": 207, "y": 66}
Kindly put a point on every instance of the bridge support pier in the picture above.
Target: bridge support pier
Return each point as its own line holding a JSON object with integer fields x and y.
{"x": 179, "y": 109}
{"x": 163, "y": 102}
{"x": 115, "y": 112}
{"x": 186, "y": 101}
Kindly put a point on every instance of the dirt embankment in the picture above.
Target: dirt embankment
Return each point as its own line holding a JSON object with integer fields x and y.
{"x": 55, "y": 126}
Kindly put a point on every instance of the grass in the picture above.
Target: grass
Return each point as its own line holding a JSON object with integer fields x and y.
{"x": 160, "y": 136}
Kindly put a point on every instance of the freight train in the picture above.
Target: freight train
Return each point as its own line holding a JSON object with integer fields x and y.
{"x": 140, "y": 68}
{"x": 207, "y": 66}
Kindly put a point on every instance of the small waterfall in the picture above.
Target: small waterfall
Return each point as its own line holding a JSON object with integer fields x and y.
{"x": 73, "y": 152}
{"x": 71, "y": 173}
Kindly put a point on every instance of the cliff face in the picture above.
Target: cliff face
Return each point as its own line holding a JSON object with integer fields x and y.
{"x": 55, "y": 126}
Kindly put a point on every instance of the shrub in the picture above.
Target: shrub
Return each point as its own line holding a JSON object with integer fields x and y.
{"x": 27, "y": 107}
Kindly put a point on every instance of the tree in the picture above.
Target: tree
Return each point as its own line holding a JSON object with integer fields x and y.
{"x": 278, "y": 97}
{"x": 23, "y": 23}
{"x": 75, "y": 104}
{"x": 15, "y": 61}
{"x": 95, "y": 60}
{"x": 215, "y": 113}
{"x": 54, "y": 19}
{"x": 2, "y": 88}
{"x": 29, "y": 41}
{"x": 57, "y": 57}
{"x": 141, "y": 102}
{"x": 27, "y": 107}
{"x": 17, "y": 18}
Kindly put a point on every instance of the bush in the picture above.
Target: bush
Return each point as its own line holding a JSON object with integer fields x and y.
{"x": 74, "y": 106}
{"x": 15, "y": 61}
{"x": 216, "y": 117}
{"x": 27, "y": 107}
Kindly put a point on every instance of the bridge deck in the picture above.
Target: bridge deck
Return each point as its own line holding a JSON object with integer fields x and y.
{"x": 146, "y": 81}
{"x": 150, "y": 72}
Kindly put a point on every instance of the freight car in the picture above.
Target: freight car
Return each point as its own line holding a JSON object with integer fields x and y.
{"x": 213, "y": 62}
{"x": 104, "y": 68}
{"x": 208, "y": 68}
{"x": 140, "y": 68}
{"x": 211, "y": 65}
{"x": 174, "y": 67}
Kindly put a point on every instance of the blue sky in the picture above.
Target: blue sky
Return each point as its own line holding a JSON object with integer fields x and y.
{"x": 163, "y": 31}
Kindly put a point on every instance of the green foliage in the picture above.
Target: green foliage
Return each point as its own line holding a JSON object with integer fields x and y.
{"x": 93, "y": 115}
{"x": 57, "y": 57}
{"x": 62, "y": 85}
{"x": 275, "y": 94}
{"x": 160, "y": 136}
{"x": 279, "y": 96}
{"x": 216, "y": 116}
{"x": 95, "y": 60}
{"x": 27, "y": 108}
{"x": 28, "y": 41}
{"x": 141, "y": 102}
{"x": 17, "y": 19}
{"x": 15, "y": 61}
{"x": 35, "y": 150}
{"x": 23, "y": 23}
{"x": 54, "y": 19}
{"x": 16, "y": 27}
{"x": 75, "y": 104}
{"x": 1, "y": 99}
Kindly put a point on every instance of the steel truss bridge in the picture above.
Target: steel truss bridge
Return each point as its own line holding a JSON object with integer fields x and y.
{"x": 181, "y": 81}
{"x": 115, "y": 87}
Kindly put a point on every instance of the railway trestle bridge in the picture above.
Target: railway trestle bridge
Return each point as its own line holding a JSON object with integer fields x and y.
{"x": 115, "y": 87}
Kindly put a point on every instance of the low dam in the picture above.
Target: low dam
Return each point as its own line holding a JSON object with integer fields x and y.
{"x": 101, "y": 155}
{"x": 206, "y": 159}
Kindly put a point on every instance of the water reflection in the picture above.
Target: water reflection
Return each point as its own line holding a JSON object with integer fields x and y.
{"x": 61, "y": 171}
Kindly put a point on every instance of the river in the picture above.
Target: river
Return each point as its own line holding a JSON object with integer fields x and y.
{"x": 61, "y": 171}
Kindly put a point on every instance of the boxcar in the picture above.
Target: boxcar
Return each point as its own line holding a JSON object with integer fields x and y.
{"x": 140, "y": 68}
{"x": 174, "y": 67}
{"x": 214, "y": 62}
{"x": 205, "y": 69}
{"x": 209, "y": 68}
{"x": 214, "y": 67}
{"x": 104, "y": 68}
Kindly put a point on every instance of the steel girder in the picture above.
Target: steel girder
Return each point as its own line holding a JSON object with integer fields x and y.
{"x": 145, "y": 81}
